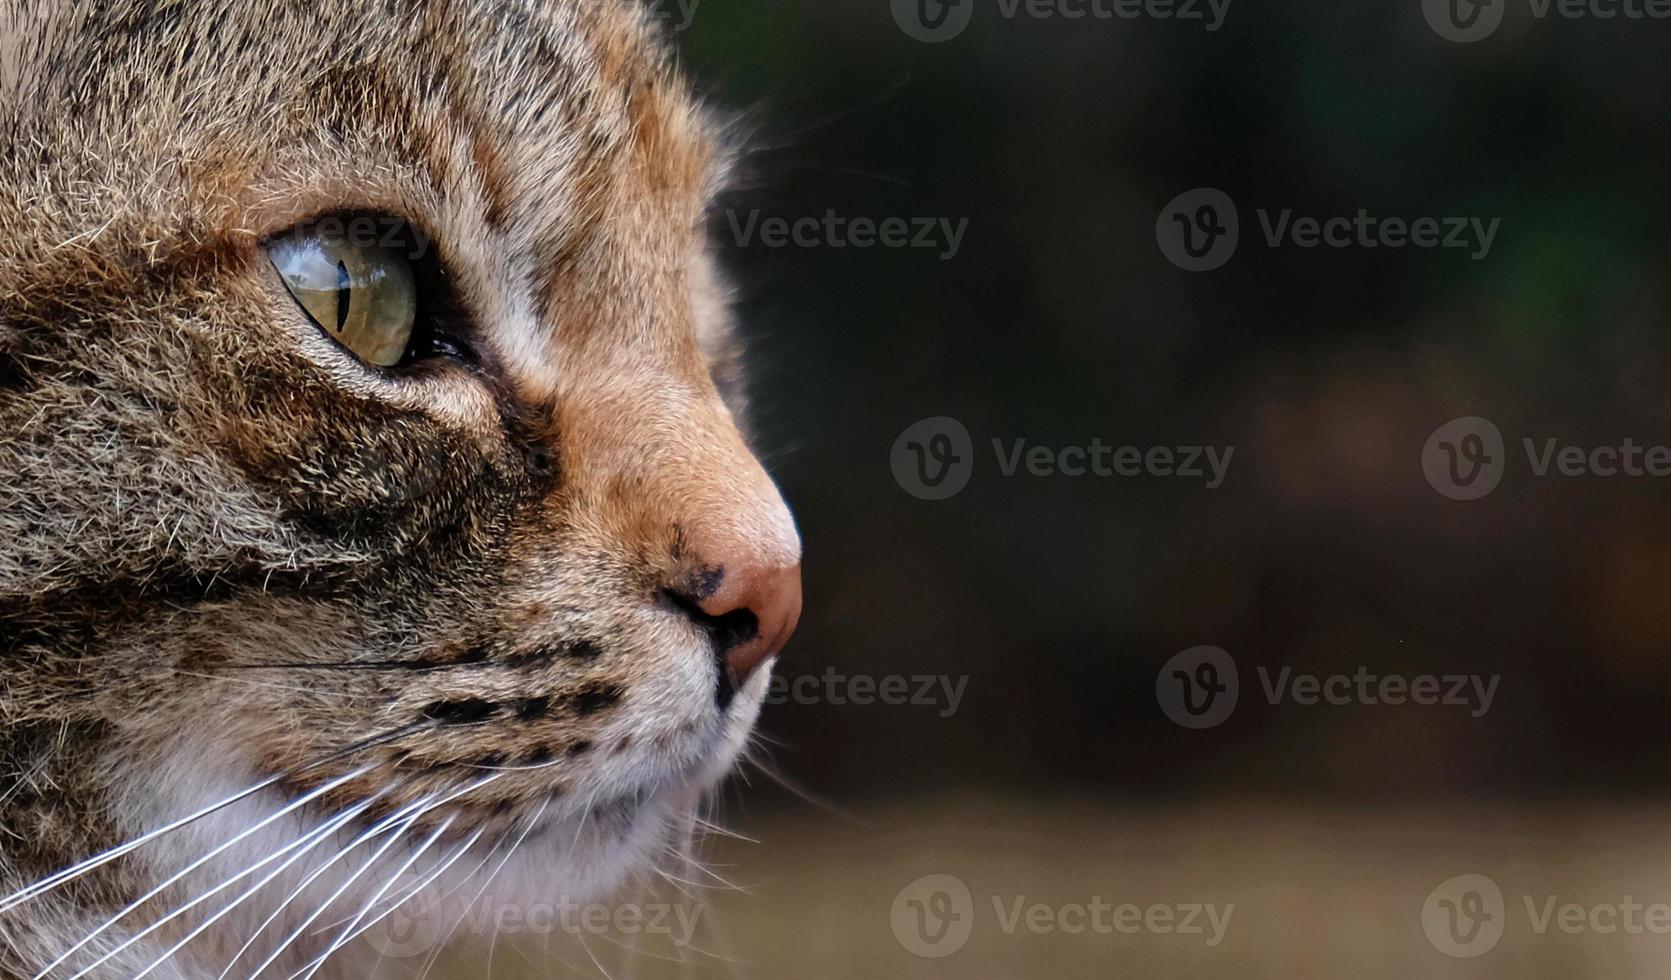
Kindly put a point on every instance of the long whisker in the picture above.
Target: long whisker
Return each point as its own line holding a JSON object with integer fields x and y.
{"x": 375, "y": 830}
{"x": 585, "y": 814}
{"x": 593, "y": 956}
{"x": 533, "y": 768}
{"x": 801, "y": 792}
{"x": 687, "y": 855}
{"x": 410, "y": 815}
{"x": 307, "y": 843}
{"x": 295, "y": 934}
{"x": 352, "y": 933}
{"x": 486, "y": 859}
{"x": 466, "y": 879}
{"x": 376, "y": 896}
{"x": 714, "y": 828}
{"x": 153, "y": 893}
{"x": 169, "y": 953}
{"x": 435, "y": 954}
{"x": 59, "y": 879}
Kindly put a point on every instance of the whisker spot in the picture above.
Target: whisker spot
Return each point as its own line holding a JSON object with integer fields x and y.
{"x": 466, "y": 712}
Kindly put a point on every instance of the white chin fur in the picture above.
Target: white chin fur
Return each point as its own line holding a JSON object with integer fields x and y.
{"x": 574, "y": 855}
{"x": 571, "y": 862}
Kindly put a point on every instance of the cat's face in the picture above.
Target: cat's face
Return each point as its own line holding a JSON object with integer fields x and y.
{"x": 231, "y": 549}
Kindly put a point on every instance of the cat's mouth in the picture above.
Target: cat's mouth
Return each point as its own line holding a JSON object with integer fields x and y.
{"x": 638, "y": 797}
{"x": 683, "y": 787}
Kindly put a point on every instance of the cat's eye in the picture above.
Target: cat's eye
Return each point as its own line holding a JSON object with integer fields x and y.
{"x": 359, "y": 292}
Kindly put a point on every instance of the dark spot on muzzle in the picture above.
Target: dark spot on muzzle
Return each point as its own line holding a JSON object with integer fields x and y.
{"x": 594, "y": 698}
{"x": 466, "y": 712}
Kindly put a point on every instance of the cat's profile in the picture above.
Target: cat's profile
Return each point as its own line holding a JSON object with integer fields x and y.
{"x": 369, "y": 480}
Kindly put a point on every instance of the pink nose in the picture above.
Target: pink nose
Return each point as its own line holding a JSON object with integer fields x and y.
{"x": 766, "y": 598}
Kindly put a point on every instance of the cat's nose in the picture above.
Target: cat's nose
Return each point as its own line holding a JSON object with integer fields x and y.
{"x": 748, "y": 607}
{"x": 699, "y": 499}
{"x": 768, "y": 594}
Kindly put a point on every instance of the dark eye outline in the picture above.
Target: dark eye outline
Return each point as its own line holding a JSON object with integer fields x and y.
{"x": 440, "y": 328}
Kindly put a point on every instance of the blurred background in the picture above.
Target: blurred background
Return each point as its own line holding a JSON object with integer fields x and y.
{"x": 1038, "y": 760}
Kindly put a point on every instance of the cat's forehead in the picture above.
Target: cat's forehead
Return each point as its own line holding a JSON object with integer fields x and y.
{"x": 548, "y": 116}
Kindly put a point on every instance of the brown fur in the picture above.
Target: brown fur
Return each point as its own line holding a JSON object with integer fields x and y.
{"x": 224, "y": 544}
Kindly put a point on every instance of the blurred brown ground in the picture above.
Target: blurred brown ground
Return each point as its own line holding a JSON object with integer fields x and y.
{"x": 1319, "y": 892}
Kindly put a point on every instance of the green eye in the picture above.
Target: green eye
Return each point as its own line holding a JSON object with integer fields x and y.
{"x": 364, "y": 295}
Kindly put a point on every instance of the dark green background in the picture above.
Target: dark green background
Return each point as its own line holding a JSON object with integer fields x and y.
{"x": 1060, "y": 321}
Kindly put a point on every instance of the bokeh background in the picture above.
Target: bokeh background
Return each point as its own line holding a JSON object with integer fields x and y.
{"x": 1057, "y": 600}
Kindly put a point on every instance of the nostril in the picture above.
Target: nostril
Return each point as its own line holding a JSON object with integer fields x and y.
{"x": 727, "y": 631}
{"x": 748, "y": 612}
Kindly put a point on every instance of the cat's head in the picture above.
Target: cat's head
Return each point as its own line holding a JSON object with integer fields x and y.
{"x": 532, "y": 567}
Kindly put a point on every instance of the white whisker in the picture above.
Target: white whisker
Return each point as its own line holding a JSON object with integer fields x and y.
{"x": 301, "y": 847}
{"x": 436, "y": 953}
{"x": 407, "y": 816}
{"x": 352, "y": 933}
{"x": 291, "y": 937}
{"x": 715, "y": 828}
{"x": 376, "y": 896}
{"x": 59, "y": 879}
{"x": 593, "y": 956}
{"x": 807, "y": 796}
{"x": 375, "y": 830}
{"x": 698, "y": 865}
{"x": 153, "y": 893}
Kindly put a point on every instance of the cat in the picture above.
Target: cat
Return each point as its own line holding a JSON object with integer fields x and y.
{"x": 373, "y": 490}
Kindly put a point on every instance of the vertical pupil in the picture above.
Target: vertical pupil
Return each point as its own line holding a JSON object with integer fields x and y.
{"x": 343, "y": 290}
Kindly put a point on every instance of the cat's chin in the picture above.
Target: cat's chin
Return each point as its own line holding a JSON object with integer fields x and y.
{"x": 587, "y": 856}
{"x": 561, "y": 868}
{"x": 578, "y": 849}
